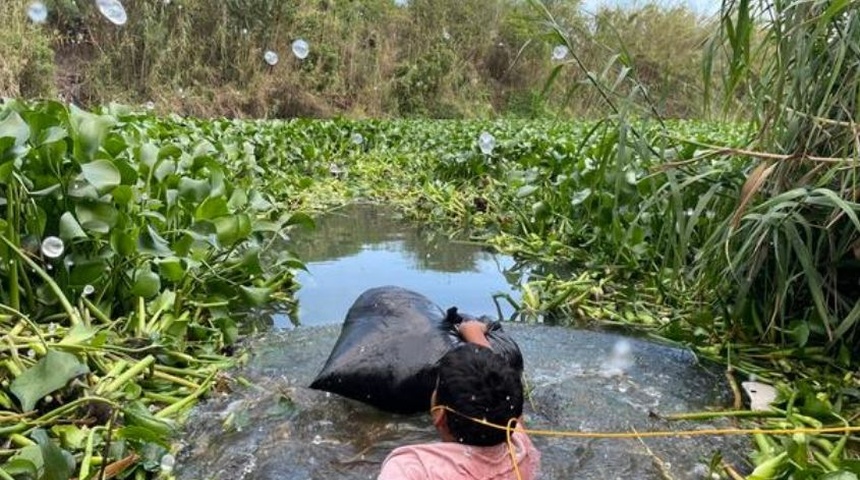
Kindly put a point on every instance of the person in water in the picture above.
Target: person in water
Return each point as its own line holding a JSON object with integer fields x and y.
{"x": 473, "y": 382}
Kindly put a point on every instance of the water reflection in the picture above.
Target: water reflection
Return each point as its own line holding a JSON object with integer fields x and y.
{"x": 364, "y": 246}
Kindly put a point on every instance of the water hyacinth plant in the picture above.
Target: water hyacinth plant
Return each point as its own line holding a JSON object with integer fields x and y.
{"x": 129, "y": 260}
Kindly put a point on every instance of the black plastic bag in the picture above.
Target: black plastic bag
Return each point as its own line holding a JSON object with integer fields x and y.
{"x": 388, "y": 348}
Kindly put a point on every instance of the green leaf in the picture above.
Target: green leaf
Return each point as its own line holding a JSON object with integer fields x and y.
{"x": 70, "y": 228}
{"x": 59, "y": 464}
{"x": 13, "y": 126}
{"x": 232, "y": 228}
{"x": 96, "y": 217}
{"x": 193, "y": 190}
{"x": 50, "y": 373}
{"x": 79, "y": 334}
{"x": 211, "y": 208}
{"x": 255, "y": 296}
{"x": 89, "y": 132}
{"x": 27, "y": 462}
{"x": 152, "y": 243}
{"x": 171, "y": 269}
{"x": 101, "y": 174}
{"x": 303, "y": 219}
{"x": 146, "y": 283}
{"x": 839, "y": 475}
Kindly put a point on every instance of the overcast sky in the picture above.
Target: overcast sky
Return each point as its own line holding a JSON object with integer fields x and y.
{"x": 702, "y": 7}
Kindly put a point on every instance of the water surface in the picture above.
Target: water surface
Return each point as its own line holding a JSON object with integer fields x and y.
{"x": 364, "y": 246}
{"x": 577, "y": 380}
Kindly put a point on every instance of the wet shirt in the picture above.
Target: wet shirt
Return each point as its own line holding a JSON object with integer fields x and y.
{"x": 455, "y": 461}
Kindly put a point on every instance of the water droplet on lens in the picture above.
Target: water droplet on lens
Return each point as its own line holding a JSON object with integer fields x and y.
{"x": 270, "y": 57}
{"x": 168, "y": 461}
{"x": 301, "y": 49}
{"x": 52, "y": 247}
{"x": 486, "y": 142}
{"x": 37, "y": 12}
{"x": 559, "y": 52}
{"x": 113, "y": 11}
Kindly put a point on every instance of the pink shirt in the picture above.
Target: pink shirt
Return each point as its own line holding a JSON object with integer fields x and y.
{"x": 455, "y": 461}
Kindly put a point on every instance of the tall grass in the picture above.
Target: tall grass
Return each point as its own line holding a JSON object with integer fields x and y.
{"x": 469, "y": 58}
{"x": 791, "y": 244}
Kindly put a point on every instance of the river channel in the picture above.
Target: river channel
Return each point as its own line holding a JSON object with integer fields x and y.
{"x": 577, "y": 380}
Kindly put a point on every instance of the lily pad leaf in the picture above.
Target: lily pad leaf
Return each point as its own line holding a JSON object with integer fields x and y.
{"x": 52, "y": 372}
{"x": 101, "y": 174}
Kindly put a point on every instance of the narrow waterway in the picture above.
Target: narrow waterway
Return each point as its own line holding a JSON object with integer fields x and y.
{"x": 577, "y": 380}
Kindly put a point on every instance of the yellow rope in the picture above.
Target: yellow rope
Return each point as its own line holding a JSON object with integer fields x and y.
{"x": 636, "y": 434}
{"x": 663, "y": 433}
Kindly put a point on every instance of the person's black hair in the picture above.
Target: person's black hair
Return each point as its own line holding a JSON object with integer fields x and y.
{"x": 478, "y": 383}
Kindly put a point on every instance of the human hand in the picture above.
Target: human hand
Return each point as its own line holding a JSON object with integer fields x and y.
{"x": 473, "y": 331}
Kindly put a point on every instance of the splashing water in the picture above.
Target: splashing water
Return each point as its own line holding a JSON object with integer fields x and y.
{"x": 301, "y": 49}
{"x": 52, "y": 247}
{"x": 486, "y": 142}
{"x": 559, "y": 52}
{"x": 37, "y": 12}
{"x": 113, "y": 11}
{"x": 270, "y": 57}
{"x": 619, "y": 361}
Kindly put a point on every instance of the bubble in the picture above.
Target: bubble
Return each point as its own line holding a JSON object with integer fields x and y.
{"x": 52, "y": 328}
{"x": 301, "y": 49}
{"x": 113, "y": 11}
{"x": 167, "y": 2}
{"x": 37, "y": 12}
{"x": 559, "y": 52}
{"x": 89, "y": 290}
{"x": 52, "y": 247}
{"x": 486, "y": 143}
{"x": 446, "y": 35}
{"x": 244, "y": 31}
{"x": 270, "y": 57}
{"x": 356, "y": 138}
{"x": 317, "y": 440}
{"x": 150, "y": 105}
{"x": 401, "y": 3}
{"x": 31, "y": 353}
{"x": 168, "y": 461}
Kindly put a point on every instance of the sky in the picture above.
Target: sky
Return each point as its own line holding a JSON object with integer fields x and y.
{"x": 701, "y": 7}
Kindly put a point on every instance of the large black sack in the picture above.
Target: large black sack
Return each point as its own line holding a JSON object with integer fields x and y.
{"x": 388, "y": 348}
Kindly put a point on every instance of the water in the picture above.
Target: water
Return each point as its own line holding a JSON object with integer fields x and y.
{"x": 576, "y": 380}
{"x": 363, "y": 246}
{"x": 282, "y": 430}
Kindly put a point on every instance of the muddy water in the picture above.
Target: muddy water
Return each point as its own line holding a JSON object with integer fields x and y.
{"x": 577, "y": 380}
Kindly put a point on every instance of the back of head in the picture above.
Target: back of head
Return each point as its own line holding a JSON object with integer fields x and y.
{"x": 476, "y": 382}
